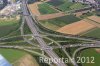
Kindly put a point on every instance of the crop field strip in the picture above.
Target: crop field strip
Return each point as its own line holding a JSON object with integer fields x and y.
{"x": 27, "y": 58}
{"x": 95, "y": 19}
{"x": 59, "y": 22}
{"x": 34, "y": 8}
{"x": 50, "y": 16}
{"x": 95, "y": 33}
{"x": 76, "y": 28}
{"x": 56, "y": 2}
{"x": 65, "y": 5}
{"x": 46, "y": 9}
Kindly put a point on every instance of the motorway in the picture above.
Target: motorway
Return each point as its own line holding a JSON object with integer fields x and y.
{"x": 35, "y": 33}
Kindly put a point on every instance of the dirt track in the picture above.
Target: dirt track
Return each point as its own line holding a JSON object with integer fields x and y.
{"x": 76, "y": 28}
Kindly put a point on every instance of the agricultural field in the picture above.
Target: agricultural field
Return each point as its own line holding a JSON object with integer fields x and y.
{"x": 96, "y": 19}
{"x": 77, "y": 6}
{"x": 12, "y": 55}
{"x": 18, "y": 57}
{"x": 91, "y": 53}
{"x": 8, "y": 26}
{"x": 46, "y": 9}
{"x": 34, "y": 8}
{"x": 71, "y": 6}
{"x": 76, "y": 28}
{"x": 93, "y": 33}
{"x": 59, "y": 22}
{"x": 65, "y": 5}
{"x": 56, "y": 2}
{"x": 27, "y": 60}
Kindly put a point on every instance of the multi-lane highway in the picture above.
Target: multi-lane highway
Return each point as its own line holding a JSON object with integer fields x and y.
{"x": 35, "y": 33}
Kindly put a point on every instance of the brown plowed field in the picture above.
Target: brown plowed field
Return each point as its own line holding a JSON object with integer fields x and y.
{"x": 95, "y": 18}
{"x": 34, "y": 8}
{"x": 98, "y": 50}
{"x": 50, "y": 16}
{"x": 92, "y": 22}
{"x": 28, "y": 61}
{"x": 76, "y": 28}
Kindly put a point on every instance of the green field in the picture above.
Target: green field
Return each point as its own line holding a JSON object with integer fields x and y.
{"x": 93, "y": 33}
{"x": 77, "y": 6}
{"x": 91, "y": 53}
{"x": 49, "y": 25}
{"x": 46, "y": 9}
{"x": 8, "y": 26}
{"x": 12, "y": 55}
{"x": 71, "y": 6}
{"x": 59, "y": 22}
{"x": 56, "y": 2}
{"x": 65, "y": 5}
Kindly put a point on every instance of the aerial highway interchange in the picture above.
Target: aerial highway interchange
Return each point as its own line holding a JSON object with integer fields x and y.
{"x": 32, "y": 22}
